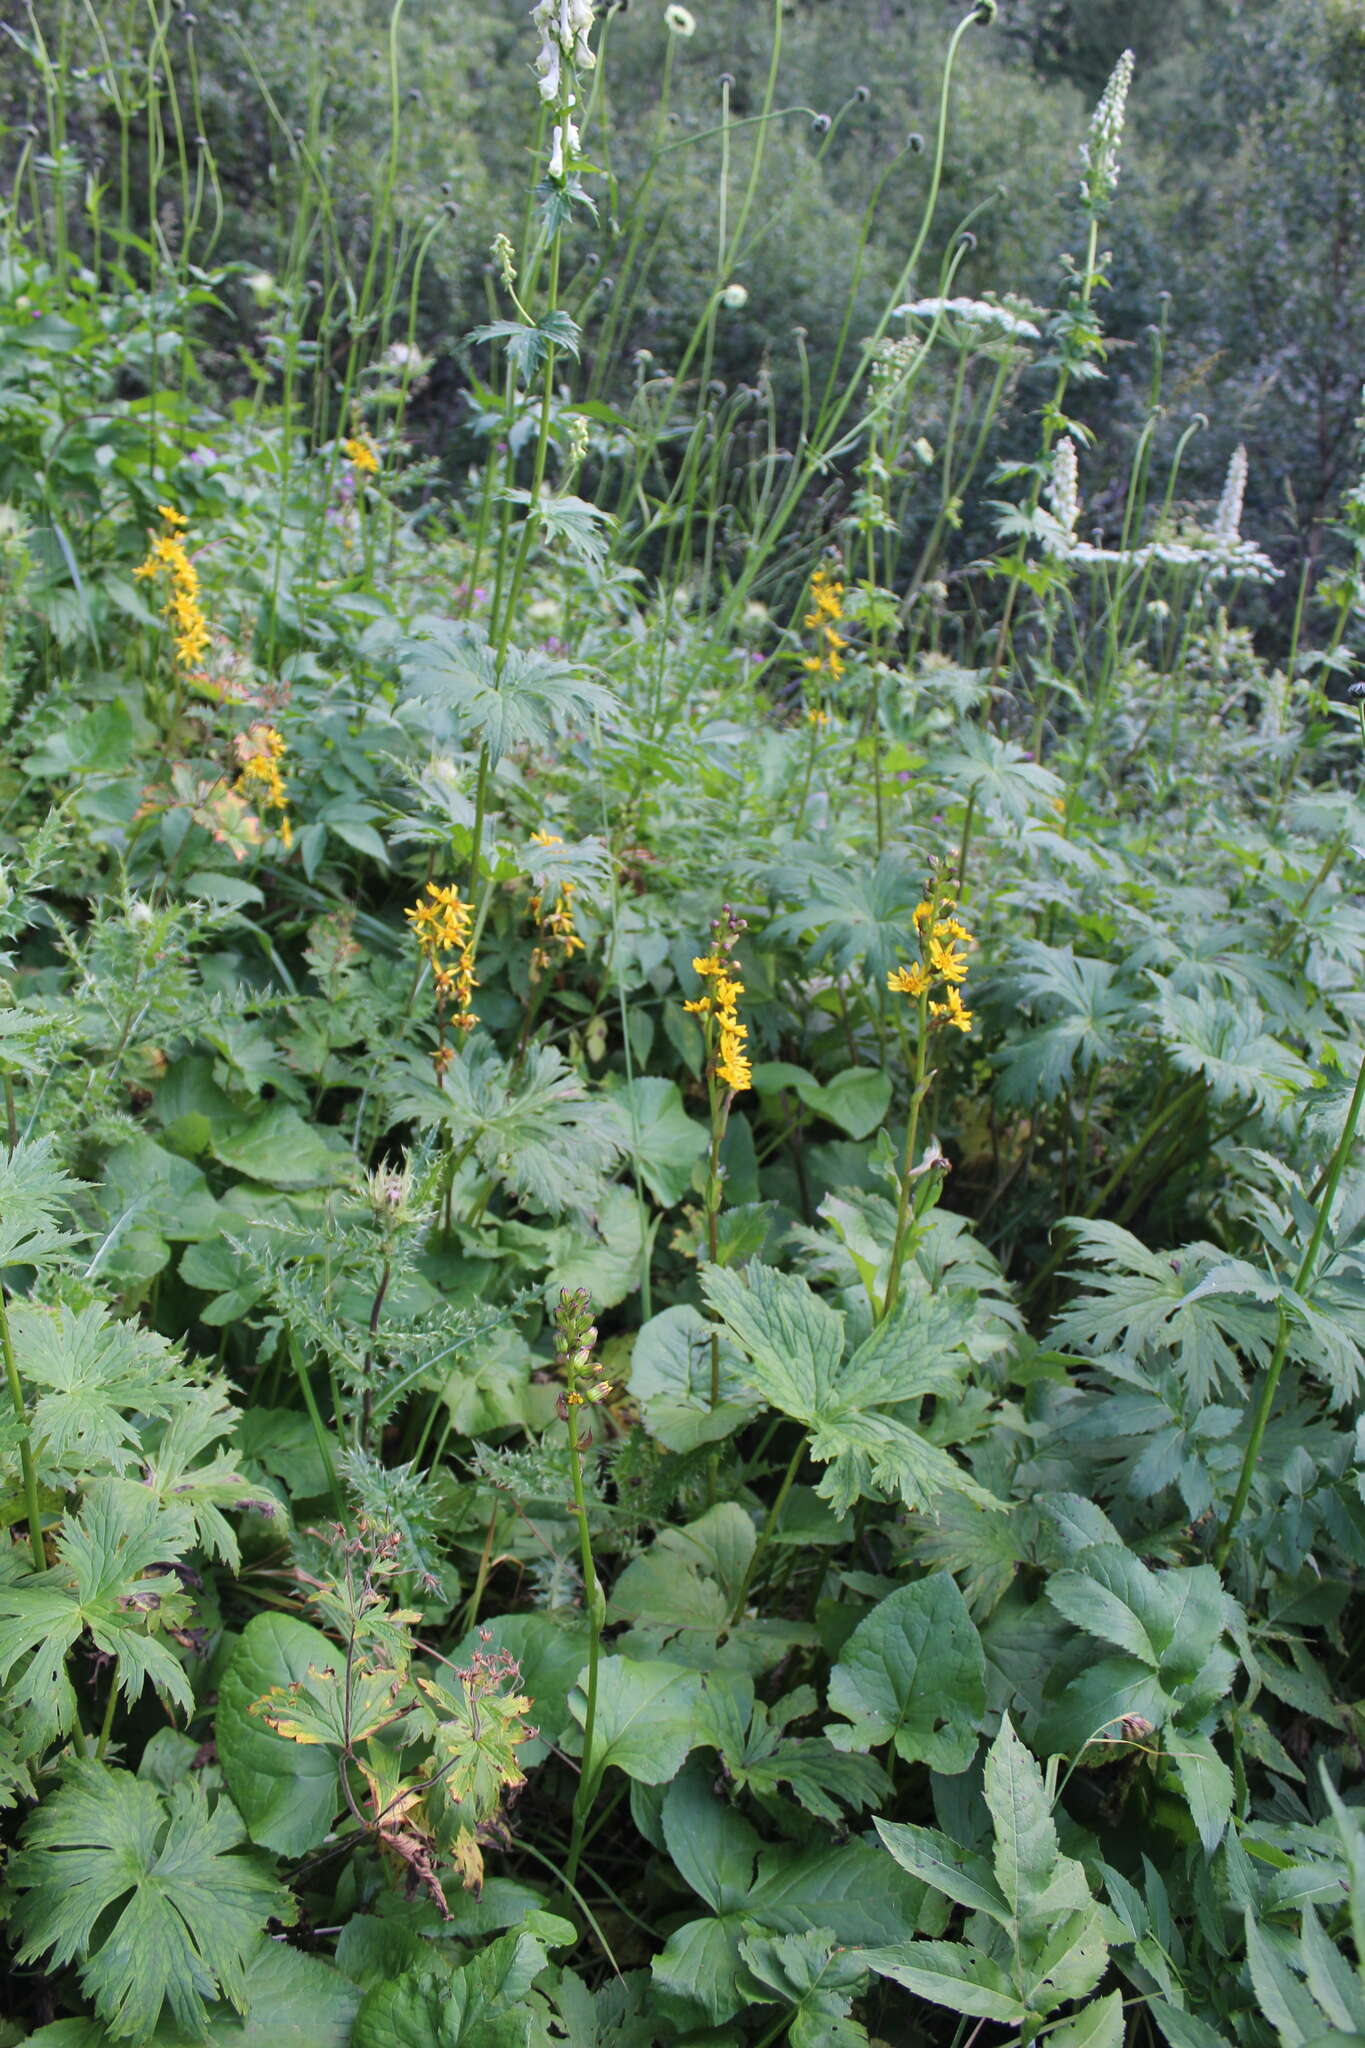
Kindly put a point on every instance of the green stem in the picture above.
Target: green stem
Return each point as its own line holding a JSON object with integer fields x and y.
{"x": 583, "y": 1797}
{"x": 1130, "y": 1158}
{"x": 893, "y": 1285}
{"x": 1276, "y": 1366}
{"x": 107, "y": 1724}
{"x": 765, "y": 1533}
{"x": 26, "y": 1465}
{"x": 319, "y": 1430}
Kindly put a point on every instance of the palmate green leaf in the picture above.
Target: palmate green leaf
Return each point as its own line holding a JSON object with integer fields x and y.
{"x": 101, "y": 1586}
{"x": 795, "y": 1342}
{"x": 456, "y": 682}
{"x": 913, "y": 1674}
{"x": 536, "y": 1128}
{"x": 528, "y": 345}
{"x": 173, "y": 1472}
{"x": 998, "y": 773}
{"x": 1225, "y": 1043}
{"x": 96, "y": 1378}
{"x": 481, "y": 2004}
{"x": 813, "y": 1975}
{"x": 858, "y": 919}
{"x": 190, "y": 1912}
{"x": 1086, "y": 1008}
{"x": 585, "y": 529}
{"x": 1208, "y": 1311}
{"x": 35, "y": 1195}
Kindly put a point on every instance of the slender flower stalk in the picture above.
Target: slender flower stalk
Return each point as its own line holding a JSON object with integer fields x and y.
{"x": 28, "y": 1471}
{"x": 261, "y": 751}
{"x": 442, "y": 931}
{"x": 576, "y": 1335}
{"x": 728, "y": 1074}
{"x": 934, "y": 983}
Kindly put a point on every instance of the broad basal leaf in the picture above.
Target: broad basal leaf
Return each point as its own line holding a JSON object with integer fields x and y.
{"x": 288, "y": 1796}
{"x": 913, "y": 1674}
{"x": 179, "y": 1913}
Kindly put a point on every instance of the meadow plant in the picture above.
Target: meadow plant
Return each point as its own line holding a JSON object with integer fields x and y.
{"x": 566, "y": 1487}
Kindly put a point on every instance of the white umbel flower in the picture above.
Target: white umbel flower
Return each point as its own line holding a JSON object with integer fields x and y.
{"x": 1100, "y": 150}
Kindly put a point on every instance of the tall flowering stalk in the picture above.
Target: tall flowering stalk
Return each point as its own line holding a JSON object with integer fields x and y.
{"x": 168, "y": 563}
{"x": 260, "y": 779}
{"x": 443, "y": 932}
{"x": 934, "y": 983}
{"x": 1078, "y": 335}
{"x": 575, "y": 1337}
{"x": 557, "y": 937}
{"x": 728, "y": 1073}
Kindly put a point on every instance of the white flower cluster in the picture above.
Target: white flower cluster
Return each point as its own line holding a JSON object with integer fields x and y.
{"x": 1065, "y": 491}
{"x": 892, "y": 361}
{"x": 564, "y": 29}
{"x": 563, "y": 149}
{"x": 1100, "y": 150}
{"x": 1219, "y": 552}
{"x": 565, "y": 26}
{"x": 973, "y": 313}
{"x": 1227, "y": 520}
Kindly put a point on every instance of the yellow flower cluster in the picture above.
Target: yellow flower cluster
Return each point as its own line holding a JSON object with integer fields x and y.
{"x": 827, "y": 609}
{"x": 558, "y": 932}
{"x": 260, "y": 750}
{"x": 168, "y": 558}
{"x": 942, "y": 963}
{"x": 442, "y": 928}
{"x": 361, "y": 453}
{"x": 718, "y": 1003}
